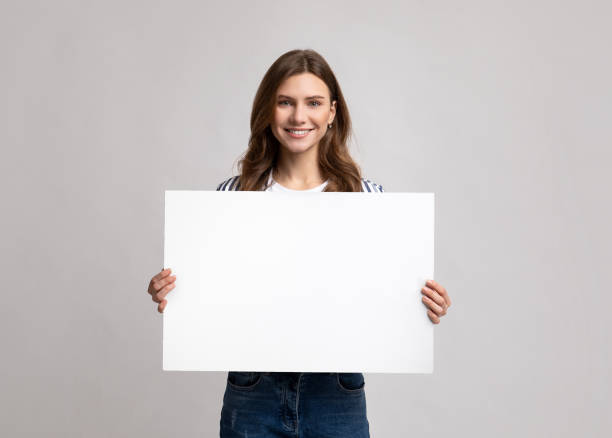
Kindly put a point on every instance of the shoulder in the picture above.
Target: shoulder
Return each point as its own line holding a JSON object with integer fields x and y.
{"x": 230, "y": 184}
{"x": 369, "y": 186}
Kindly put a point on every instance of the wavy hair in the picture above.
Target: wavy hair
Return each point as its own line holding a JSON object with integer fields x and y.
{"x": 260, "y": 158}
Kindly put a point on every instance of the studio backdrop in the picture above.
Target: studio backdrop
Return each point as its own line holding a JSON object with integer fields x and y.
{"x": 502, "y": 109}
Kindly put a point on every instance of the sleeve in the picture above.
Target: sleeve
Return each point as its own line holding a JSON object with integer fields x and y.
{"x": 369, "y": 186}
{"x": 230, "y": 184}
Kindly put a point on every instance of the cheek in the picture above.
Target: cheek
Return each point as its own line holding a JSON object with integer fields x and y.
{"x": 277, "y": 119}
{"x": 322, "y": 118}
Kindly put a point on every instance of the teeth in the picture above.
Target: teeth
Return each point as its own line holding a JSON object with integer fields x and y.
{"x": 299, "y": 132}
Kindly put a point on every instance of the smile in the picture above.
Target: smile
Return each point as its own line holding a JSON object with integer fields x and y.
{"x": 298, "y": 133}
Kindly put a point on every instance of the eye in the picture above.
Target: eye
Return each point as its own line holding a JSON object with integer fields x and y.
{"x": 317, "y": 103}
{"x": 283, "y": 102}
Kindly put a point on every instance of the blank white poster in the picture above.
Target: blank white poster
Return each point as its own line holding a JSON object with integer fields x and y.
{"x": 298, "y": 282}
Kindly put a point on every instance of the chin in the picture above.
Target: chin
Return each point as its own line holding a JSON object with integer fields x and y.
{"x": 298, "y": 149}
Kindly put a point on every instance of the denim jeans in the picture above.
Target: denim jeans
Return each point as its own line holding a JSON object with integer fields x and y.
{"x": 304, "y": 405}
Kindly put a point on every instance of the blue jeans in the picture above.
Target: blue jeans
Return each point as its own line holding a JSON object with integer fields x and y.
{"x": 304, "y": 405}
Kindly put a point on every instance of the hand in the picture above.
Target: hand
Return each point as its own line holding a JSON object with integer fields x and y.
{"x": 437, "y": 299}
{"x": 159, "y": 287}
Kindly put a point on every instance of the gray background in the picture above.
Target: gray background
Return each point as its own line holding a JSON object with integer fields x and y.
{"x": 500, "y": 108}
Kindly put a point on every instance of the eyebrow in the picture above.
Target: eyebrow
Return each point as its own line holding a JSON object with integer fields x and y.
{"x": 282, "y": 96}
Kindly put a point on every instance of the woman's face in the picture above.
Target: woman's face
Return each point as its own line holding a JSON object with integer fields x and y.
{"x": 302, "y": 105}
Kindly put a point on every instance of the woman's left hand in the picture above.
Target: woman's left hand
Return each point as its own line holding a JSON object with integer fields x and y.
{"x": 436, "y": 299}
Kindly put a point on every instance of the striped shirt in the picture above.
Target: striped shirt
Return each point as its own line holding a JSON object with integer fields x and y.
{"x": 233, "y": 184}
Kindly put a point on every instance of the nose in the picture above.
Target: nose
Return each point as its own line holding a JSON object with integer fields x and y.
{"x": 298, "y": 116}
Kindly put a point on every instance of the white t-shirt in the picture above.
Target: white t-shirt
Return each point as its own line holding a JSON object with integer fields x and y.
{"x": 276, "y": 187}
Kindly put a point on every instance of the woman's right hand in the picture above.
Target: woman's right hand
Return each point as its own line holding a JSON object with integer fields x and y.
{"x": 159, "y": 287}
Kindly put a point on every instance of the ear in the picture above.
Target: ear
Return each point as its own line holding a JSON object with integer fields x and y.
{"x": 332, "y": 112}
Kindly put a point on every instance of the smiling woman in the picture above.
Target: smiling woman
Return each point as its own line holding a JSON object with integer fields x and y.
{"x": 300, "y": 125}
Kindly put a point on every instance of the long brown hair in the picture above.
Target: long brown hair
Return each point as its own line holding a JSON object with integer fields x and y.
{"x": 335, "y": 162}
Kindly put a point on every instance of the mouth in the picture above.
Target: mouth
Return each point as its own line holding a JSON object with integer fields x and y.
{"x": 298, "y": 133}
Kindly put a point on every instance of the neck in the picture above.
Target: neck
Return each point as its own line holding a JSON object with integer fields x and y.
{"x": 298, "y": 171}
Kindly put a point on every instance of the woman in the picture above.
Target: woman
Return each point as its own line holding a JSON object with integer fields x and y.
{"x": 299, "y": 130}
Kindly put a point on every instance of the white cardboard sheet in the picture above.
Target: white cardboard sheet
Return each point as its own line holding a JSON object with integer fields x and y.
{"x": 299, "y": 282}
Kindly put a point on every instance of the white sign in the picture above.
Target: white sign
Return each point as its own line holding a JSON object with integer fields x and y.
{"x": 298, "y": 282}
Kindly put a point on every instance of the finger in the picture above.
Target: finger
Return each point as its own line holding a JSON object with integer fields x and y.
{"x": 433, "y": 317}
{"x": 162, "y": 274}
{"x": 158, "y": 285}
{"x": 162, "y": 306}
{"x": 159, "y": 296}
{"x": 440, "y": 289}
{"x": 439, "y": 310}
{"x": 162, "y": 293}
{"x": 153, "y": 286}
{"x": 434, "y": 296}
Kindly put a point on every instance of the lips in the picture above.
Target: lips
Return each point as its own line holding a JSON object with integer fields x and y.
{"x": 303, "y": 132}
